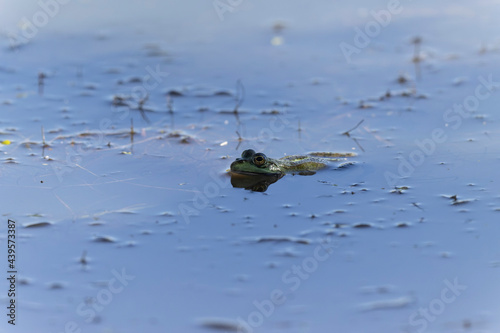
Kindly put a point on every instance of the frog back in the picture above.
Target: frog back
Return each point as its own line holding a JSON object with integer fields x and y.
{"x": 301, "y": 163}
{"x": 312, "y": 161}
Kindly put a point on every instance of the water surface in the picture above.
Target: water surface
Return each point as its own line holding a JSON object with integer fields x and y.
{"x": 136, "y": 103}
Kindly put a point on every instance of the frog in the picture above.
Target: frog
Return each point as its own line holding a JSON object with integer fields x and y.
{"x": 252, "y": 163}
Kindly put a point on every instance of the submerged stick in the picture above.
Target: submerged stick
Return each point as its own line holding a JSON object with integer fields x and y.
{"x": 41, "y": 78}
{"x": 240, "y": 97}
{"x": 140, "y": 107}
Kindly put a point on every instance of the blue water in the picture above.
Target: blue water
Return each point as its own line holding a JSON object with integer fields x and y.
{"x": 146, "y": 231}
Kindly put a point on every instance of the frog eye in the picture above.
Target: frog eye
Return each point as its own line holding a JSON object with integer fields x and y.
{"x": 259, "y": 159}
{"x": 247, "y": 153}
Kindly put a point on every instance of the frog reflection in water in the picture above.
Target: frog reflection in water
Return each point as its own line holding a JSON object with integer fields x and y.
{"x": 257, "y": 164}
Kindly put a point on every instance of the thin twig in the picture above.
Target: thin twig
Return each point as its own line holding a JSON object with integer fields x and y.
{"x": 142, "y": 101}
{"x": 170, "y": 106}
{"x": 239, "y": 97}
{"x": 347, "y": 133}
{"x": 43, "y": 137}
{"x": 239, "y": 136}
{"x": 140, "y": 107}
{"x": 416, "y": 205}
{"x": 83, "y": 258}
{"x": 357, "y": 143}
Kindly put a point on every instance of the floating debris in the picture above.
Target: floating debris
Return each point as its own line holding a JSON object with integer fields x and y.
{"x": 91, "y": 86}
{"x": 364, "y": 105}
{"x": 37, "y": 224}
{"x": 175, "y": 93}
{"x": 128, "y": 244}
{"x": 10, "y": 160}
{"x": 282, "y": 239}
{"x": 223, "y": 93}
{"x": 362, "y": 225}
{"x": 332, "y": 155}
{"x": 271, "y": 112}
{"x": 279, "y": 26}
{"x": 417, "y": 205}
{"x": 445, "y": 254}
{"x": 231, "y": 111}
{"x": 41, "y": 82}
{"x": 83, "y": 259}
{"x": 104, "y": 239}
{"x": 348, "y": 132}
{"x": 400, "y": 189}
{"x": 403, "y": 79}
{"x": 387, "y": 304}
{"x": 56, "y": 285}
{"x": 25, "y": 281}
{"x": 376, "y": 289}
{"x": 168, "y": 214}
{"x": 96, "y": 223}
{"x": 456, "y": 202}
{"x": 135, "y": 79}
{"x": 220, "y": 324}
{"x": 119, "y": 100}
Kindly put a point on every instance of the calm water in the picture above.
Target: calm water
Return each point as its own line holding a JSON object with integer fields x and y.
{"x": 121, "y": 124}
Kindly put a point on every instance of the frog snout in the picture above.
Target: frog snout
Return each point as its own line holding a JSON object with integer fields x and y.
{"x": 236, "y": 162}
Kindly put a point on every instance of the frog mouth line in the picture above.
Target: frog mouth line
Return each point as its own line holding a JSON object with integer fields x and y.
{"x": 249, "y": 173}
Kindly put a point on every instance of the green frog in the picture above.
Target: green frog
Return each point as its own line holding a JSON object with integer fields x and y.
{"x": 252, "y": 163}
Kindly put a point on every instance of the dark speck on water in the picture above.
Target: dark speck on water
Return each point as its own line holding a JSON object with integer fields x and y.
{"x": 104, "y": 239}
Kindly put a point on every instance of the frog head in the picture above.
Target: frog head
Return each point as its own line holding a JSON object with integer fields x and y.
{"x": 253, "y": 163}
